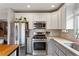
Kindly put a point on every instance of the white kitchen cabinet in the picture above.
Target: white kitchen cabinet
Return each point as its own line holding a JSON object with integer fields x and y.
{"x": 68, "y": 53}
{"x": 48, "y": 21}
{"x": 56, "y": 50}
{"x": 31, "y": 17}
{"x": 54, "y": 20}
{"x": 61, "y": 53}
{"x": 61, "y": 18}
{"x": 51, "y": 48}
{"x": 59, "y": 50}
{"x": 42, "y": 17}
{"x": 58, "y": 20}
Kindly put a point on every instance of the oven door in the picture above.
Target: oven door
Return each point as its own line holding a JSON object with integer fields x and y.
{"x": 39, "y": 46}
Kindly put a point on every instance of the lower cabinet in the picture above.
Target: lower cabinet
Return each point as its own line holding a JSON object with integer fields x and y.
{"x": 61, "y": 53}
{"x": 51, "y": 48}
{"x": 68, "y": 53}
{"x": 56, "y": 49}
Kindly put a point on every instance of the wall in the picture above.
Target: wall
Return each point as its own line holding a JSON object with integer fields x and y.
{"x": 10, "y": 18}
{"x": 3, "y": 15}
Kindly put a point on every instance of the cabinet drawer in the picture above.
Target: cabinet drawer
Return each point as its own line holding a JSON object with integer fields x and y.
{"x": 61, "y": 53}
{"x": 56, "y": 50}
{"x": 60, "y": 47}
{"x": 68, "y": 53}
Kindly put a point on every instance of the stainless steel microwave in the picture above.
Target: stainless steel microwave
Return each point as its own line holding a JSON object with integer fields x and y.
{"x": 39, "y": 25}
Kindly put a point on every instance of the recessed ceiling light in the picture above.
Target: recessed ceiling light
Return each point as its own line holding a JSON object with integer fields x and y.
{"x": 52, "y": 5}
{"x": 28, "y": 6}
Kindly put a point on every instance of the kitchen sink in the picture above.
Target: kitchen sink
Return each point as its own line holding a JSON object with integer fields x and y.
{"x": 73, "y": 45}
{"x": 69, "y": 44}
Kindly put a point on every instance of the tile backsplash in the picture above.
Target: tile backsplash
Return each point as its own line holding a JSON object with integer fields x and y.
{"x": 58, "y": 33}
{"x": 68, "y": 35}
{"x": 53, "y": 32}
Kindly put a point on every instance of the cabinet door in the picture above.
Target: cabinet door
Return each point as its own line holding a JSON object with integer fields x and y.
{"x": 61, "y": 53}
{"x": 48, "y": 20}
{"x": 60, "y": 50}
{"x": 61, "y": 18}
{"x": 54, "y": 20}
{"x": 68, "y": 53}
{"x": 51, "y": 48}
{"x": 56, "y": 50}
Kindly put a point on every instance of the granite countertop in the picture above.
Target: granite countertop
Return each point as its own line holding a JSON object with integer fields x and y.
{"x": 6, "y": 50}
{"x": 62, "y": 41}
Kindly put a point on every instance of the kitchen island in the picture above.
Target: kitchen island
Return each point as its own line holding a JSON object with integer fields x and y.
{"x": 7, "y": 50}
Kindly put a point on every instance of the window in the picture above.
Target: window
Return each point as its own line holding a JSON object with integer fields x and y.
{"x": 69, "y": 23}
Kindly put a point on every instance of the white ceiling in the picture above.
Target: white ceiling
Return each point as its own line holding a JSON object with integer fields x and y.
{"x": 34, "y": 6}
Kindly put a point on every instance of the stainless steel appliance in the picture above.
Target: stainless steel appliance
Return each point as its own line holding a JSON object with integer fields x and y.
{"x": 39, "y": 40}
{"x": 39, "y": 44}
{"x": 39, "y": 25}
{"x": 39, "y": 47}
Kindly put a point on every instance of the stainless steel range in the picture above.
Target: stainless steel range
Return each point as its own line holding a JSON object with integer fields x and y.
{"x": 39, "y": 40}
{"x": 39, "y": 45}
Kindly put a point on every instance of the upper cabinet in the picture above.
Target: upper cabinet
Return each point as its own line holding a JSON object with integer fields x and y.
{"x": 58, "y": 20}
{"x": 32, "y": 17}
{"x": 54, "y": 20}
{"x": 42, "y": 17}
{"x": 61, "y": 18}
